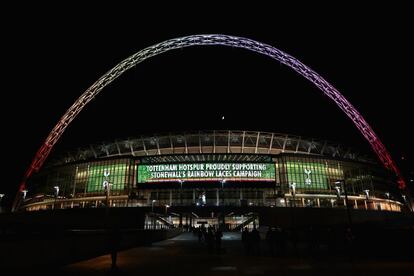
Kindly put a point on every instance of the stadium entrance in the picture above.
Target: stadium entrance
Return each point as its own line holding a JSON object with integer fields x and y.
{"x": 218, "y": 219}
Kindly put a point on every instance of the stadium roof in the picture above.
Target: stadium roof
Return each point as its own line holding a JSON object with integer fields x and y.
{"x": 252, "y": 143}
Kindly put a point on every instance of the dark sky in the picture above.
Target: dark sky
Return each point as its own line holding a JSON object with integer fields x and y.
{"x": 50, "y": 58}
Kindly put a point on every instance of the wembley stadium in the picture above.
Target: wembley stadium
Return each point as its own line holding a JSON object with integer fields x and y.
{"x": 223, "y": 178}
{"x": 194, "y": 171}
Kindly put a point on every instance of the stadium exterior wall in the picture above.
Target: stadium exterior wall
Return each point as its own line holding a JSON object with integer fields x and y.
{"x": 215, "y": 168}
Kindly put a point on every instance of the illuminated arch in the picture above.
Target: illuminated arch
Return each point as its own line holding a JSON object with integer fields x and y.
{"x": 204, "y": 40}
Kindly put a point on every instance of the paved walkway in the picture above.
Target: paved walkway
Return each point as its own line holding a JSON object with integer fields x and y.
{"x": 184, "y": 255}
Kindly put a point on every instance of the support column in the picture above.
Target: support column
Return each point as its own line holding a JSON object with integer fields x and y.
{"x": 170, "y": 198}
{"x": 217, "y": 197}
{"x": 318, "y": 202}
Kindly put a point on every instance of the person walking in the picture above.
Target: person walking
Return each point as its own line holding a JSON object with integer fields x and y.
{"x": 114, "y": 244}
{"x": 245, "y": 241}
{"x": 218, "y": 236}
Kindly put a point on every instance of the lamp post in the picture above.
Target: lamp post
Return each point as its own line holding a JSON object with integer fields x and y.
{"x": 166, "y": 214}
{"x": 366, "y": 192}
{"x": 222, "y": 189}
{"x": 153, "y": 215}
{"x": 106, "y": 186}
{"x": 181, "y": 192}
{"x": 1, "y": 197}
{"x": 56, "y": 190}
{"x": 404, "y": 197}
{"x": 348, "y": 212}
{"x": 56, "y": 194}
{"x": 152, "y": 205}
{"x": 222, "y": 183}
{"x": 338, "y": 193}
{"x": 24, "y": 194}
{"x": 292, "y": 186}
{"x": 388, "y": 197}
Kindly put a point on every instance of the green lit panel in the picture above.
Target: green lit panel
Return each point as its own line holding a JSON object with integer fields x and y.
{"x": 206, "y": 172}
{"x": 307, "y": 175}
{"x": 117, "y": 177}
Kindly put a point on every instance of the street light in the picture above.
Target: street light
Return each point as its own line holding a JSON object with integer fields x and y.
{"x": 56, "y": 194}
{"x": 366, "y": 194}
{"x": 222, "y": 190}
{"x": 339, "y": 182}
{"x": 292, "y": 186}
{"x": 388, "y": 197}
{"x": 338, "y": 195}
{"x": 152, "y": 205}
{"x": 181, "y": 191}
{"x": 222, "y": 183}
{"x": 56, "y": 190}
{"x": 24, "y": 194}
{"x": 338, "y": 192}
{"x": 405, "y": 202}
{"x": 166, "y": 208}
{"x": 153, "y": 216}
{"x": 106, "y": 186}
{"x": 1, "y": 197}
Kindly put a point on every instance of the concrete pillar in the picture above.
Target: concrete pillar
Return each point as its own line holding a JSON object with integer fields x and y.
{"x": 318, "y": 202}
{"x": 217, "y": 197}
{"x": 170, "y": 198}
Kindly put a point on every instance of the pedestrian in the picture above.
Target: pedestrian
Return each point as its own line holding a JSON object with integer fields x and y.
{"x": 255, "y": 241}
{"x": 218, "y": 237}
{"x": 114, "y": 243}
{"x": 270, "y": 239}
{"x": 245, "y": 241}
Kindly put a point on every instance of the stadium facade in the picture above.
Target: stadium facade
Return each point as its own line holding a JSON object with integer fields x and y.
{"x": 214, "y": 168}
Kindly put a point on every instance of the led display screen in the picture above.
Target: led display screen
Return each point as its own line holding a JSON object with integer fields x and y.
{"x": 96, "y": 177}
{"x": 206, "y": 172}
{"x": 307, "y": 175}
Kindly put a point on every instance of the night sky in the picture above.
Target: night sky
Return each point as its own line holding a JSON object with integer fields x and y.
{"x": 50, "y": 58}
